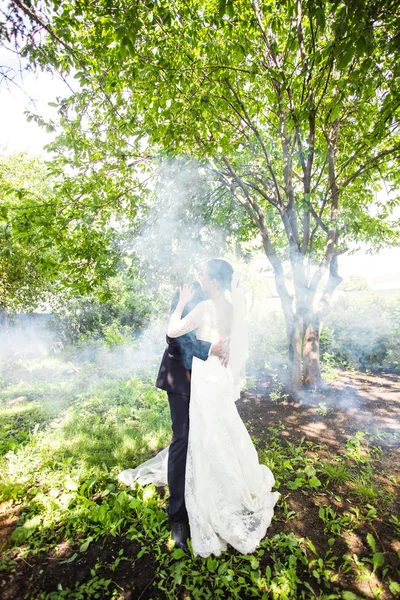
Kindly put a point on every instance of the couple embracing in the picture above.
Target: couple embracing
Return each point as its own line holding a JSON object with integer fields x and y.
{"x": 219, "y": 493}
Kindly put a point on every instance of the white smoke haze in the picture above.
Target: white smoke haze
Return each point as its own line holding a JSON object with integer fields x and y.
{"x": 29, "y": 337}
{"x": 38, "y": 373}
{"x": 175, "y": 241}
{"x": 170, "y": 249}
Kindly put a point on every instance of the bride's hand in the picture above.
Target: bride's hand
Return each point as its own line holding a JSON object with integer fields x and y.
{"x": 186, "y": 293}
{"x": 221, "y": 349}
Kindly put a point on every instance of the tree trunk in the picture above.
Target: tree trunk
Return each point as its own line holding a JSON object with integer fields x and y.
{"x": 295, "y": 348}
{"x": 294, "y": 326}
{"x": 312, "y": 336}
{"x": 312, "y": 369}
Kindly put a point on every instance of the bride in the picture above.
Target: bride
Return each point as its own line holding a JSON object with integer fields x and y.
{"x": 228, "y": 493}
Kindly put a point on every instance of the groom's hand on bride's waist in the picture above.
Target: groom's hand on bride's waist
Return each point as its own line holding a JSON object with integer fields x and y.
{"x": 221, "y": 349}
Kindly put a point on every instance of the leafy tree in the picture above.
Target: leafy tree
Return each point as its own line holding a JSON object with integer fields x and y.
{"x": 293, "y": 107}
{"x": 46, "y": 247}
{"x": 122, "y": 302}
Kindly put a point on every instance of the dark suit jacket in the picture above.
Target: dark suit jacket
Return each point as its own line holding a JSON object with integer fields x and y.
{"x": 176, "y": 364}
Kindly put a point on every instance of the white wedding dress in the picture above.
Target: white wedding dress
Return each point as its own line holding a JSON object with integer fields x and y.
{"x": 228, "y": 493}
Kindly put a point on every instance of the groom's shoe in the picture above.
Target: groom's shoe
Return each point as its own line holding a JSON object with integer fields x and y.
{"x": 180, "y": 533}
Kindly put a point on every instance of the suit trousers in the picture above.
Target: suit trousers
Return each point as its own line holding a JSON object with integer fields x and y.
{"x": 179, "y": 408}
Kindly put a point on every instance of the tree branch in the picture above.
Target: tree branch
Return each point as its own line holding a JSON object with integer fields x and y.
{"x": 260, "y": 141}
{"x": 32, "y": 15}
{"x": 369, "y": 164}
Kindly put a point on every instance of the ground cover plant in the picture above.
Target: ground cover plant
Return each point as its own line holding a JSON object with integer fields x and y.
{"x": 69, "y": 529}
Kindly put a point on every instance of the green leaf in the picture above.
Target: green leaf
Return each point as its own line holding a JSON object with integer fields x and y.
{"x": 320, "y": 17}
{"x": 346, "y": 56}
{"x": 334, "y": 113}
{"x": 309, "y": 470}
{"x": 178, "y": 553}
{"x": 394, "y": 587}
{"x": 316, "y": 574}
{"x": 20, "y": 534}
{"x": 71, "y": 485}
{"x": 211, "y": 564}
{"x": 240, "y": 52}
{"x": 371, "y": 542}
{"x": 314, "y": 482}
{"x": 3, "y": 213}
{"x": 294, "y": 485}
{"x": 377, "y": 560}
{"x": 86, "y": 544}
{"x": 70, "y": 559}
{"x": 254, "y": 563}
{"x": 134, "y": 503}
{"x": 311, "y": 546}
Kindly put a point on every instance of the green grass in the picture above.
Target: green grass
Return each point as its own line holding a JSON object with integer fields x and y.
{"x": 63, "y": 446}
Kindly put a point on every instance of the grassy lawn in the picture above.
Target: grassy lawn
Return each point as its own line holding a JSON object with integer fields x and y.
{"x": 69, "y": 529}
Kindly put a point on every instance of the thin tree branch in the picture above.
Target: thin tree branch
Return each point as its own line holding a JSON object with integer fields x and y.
{"x": 369, "y": 164}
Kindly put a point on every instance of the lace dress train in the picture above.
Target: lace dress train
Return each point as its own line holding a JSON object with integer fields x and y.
{"x": 227, "y": 492}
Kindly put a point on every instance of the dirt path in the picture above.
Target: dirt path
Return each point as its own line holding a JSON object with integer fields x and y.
{"x": 354, "y": 402}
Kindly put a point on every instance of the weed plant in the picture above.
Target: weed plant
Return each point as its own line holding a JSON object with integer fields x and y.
{"x": 65, "y": 439}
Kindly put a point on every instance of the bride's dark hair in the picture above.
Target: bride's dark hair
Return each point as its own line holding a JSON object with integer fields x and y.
{"x": 222, "y": 271}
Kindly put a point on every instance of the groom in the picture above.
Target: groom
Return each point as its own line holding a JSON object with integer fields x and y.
{"x": 174, "y": 377}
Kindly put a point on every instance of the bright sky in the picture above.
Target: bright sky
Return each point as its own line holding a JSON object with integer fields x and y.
{"x": 386, "y": 263}
{"x": 34, "y": 93}
{"x": 16, "y": 134}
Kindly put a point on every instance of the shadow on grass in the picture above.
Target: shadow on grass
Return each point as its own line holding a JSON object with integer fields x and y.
{"x": 119, "y": 427}
{"x": 73, "y": 490}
